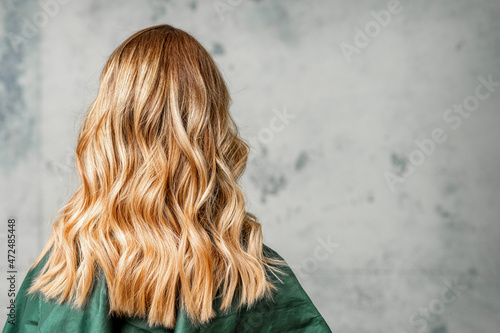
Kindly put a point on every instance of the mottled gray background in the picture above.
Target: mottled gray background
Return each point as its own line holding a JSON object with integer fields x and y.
{"x": 319, "y": 176}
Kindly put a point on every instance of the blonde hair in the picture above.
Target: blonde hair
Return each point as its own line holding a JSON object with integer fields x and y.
{"x": 159, "y": 209}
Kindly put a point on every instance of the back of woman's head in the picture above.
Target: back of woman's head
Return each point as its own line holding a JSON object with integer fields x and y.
{"x": 159, "y": 211}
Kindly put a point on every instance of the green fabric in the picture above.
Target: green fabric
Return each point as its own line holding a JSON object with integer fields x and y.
{"x": 290, "y": 311}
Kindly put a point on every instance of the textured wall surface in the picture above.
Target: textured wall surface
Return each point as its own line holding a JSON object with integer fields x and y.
{"x": 374, "y": 128}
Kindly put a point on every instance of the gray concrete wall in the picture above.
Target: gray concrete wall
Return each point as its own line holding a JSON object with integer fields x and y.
{"x": 368, "y": 178}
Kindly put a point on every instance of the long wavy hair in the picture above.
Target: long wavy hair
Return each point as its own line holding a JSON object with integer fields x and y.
{"x": 159, "y": 211}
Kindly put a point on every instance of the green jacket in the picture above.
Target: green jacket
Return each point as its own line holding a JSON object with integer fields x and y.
{"x": 290, "y": 311}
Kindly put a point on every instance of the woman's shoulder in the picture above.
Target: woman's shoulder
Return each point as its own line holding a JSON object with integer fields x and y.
{"x": 290, "y": 307}
{"x": 34, "y": 313}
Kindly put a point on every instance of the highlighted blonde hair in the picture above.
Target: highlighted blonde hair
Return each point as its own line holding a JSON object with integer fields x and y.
{"x": 159, "y": 211}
